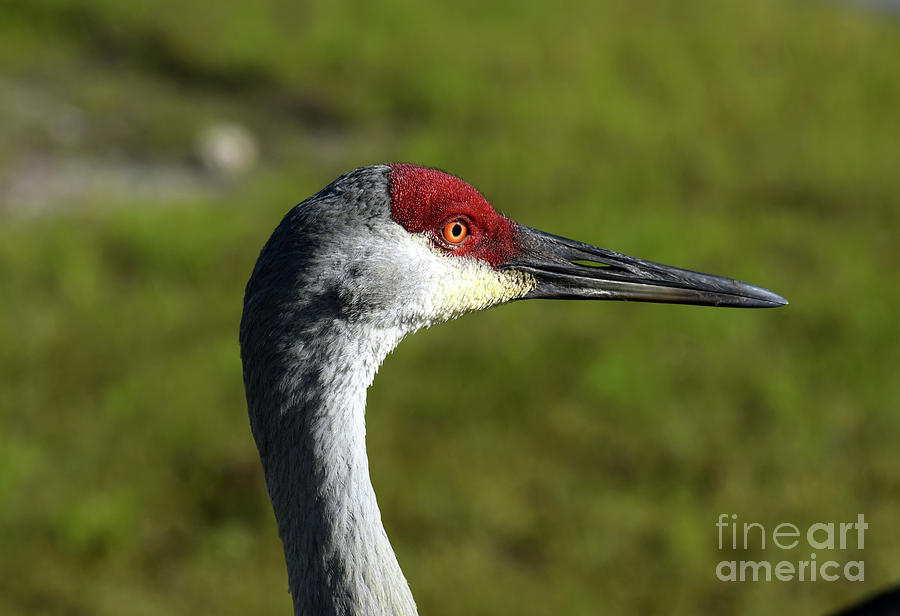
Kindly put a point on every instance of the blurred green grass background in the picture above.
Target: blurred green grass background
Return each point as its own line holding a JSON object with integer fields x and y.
{"x": 595, "y": 445}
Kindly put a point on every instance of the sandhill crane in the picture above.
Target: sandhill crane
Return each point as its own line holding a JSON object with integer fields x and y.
{"x": 377, "y": 254}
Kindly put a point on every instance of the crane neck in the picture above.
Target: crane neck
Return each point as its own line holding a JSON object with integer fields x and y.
{"x": 309, "y": 425}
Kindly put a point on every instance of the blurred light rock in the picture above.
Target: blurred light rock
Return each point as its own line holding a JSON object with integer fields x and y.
{"x": 227, "y": 149}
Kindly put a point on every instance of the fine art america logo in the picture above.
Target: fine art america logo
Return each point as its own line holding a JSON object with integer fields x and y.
{"x": 825, "y": 542}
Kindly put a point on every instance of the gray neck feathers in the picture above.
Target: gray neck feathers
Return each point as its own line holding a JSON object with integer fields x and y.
{"x": 309, "y": 354}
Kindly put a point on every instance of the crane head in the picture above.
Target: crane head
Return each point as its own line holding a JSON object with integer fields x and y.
{"x": 405, "y": 247}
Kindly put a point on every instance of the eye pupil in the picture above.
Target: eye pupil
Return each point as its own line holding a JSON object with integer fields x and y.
{"x": 455, "y": 232}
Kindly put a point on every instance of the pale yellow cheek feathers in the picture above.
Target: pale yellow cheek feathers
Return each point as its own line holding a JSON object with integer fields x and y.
{"x": 466, "y": 285}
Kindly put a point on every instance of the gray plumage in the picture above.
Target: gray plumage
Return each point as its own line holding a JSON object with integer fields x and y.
{"x": 310, "y": 346}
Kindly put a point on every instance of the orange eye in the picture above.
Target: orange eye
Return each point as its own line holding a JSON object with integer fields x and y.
{"x": 455, "y": 232}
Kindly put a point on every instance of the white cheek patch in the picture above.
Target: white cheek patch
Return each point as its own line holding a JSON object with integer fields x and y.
{"x": 475, "y": 286}
{"x": 450, "y": 286}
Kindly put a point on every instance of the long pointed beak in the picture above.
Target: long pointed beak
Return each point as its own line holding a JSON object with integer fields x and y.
{"x": 565, "y": 268}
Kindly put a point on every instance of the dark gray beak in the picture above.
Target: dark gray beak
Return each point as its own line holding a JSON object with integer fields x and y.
{"x": 565, "y": 268}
